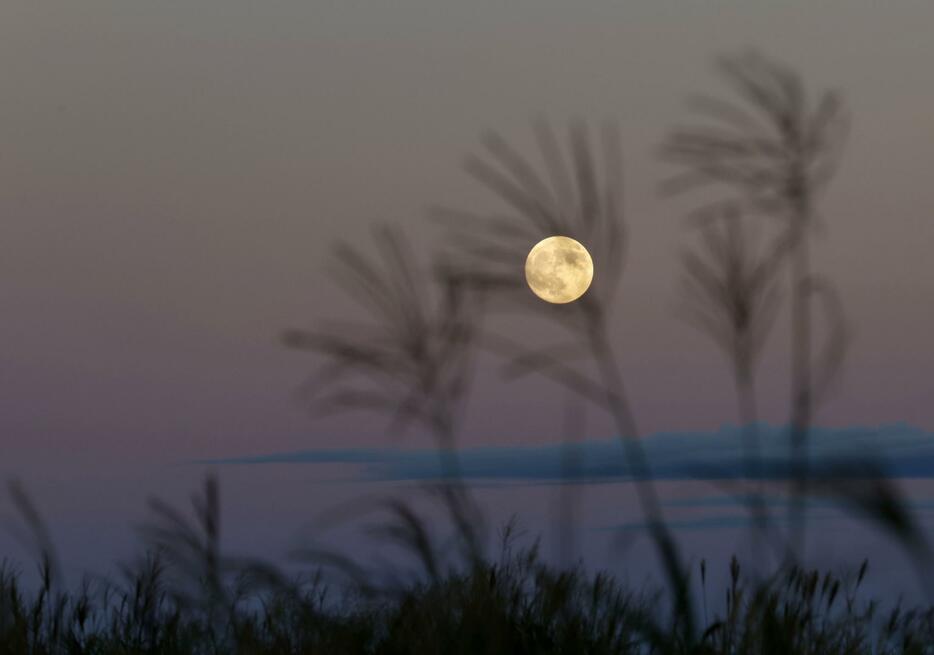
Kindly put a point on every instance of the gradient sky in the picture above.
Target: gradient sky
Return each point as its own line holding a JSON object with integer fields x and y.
{"x": 172, "y": 175}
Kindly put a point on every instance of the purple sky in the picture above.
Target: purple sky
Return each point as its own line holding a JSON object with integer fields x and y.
{"x": 172, "y": 175}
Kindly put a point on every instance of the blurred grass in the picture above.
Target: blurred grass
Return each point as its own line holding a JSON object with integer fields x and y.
{"x": 185, "y": 595}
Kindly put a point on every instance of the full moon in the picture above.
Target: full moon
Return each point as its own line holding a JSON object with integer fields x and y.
{"x": 559, "y": 269}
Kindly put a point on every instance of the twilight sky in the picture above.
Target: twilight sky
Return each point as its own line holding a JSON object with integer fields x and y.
{"x": 172, "y": 175}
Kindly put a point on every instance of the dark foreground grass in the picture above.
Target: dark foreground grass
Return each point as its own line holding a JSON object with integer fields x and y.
{"x": 515, "y": 605}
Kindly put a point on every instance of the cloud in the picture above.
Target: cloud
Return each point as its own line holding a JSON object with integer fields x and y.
{"x": 901, "y": 450}
{"x": 711, "y": 522}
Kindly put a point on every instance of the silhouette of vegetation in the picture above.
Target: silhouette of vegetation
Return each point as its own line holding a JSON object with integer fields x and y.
{"x": 770, "y": 157}
{"x": 774, "y": 153}
{"x": 411, "y": 360}
{"x": 731, "y": 294}
{"x": 581, "y": 199}
{"x": 187, "y": 596}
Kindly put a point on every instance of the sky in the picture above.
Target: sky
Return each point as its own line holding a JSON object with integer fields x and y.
{"x": 174, "y": 174}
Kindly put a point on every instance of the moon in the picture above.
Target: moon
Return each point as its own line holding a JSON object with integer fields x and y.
{"x": 559, "y": 269}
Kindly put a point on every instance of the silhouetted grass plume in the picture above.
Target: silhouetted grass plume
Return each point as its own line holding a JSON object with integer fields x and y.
{"x": 773, "y": 153}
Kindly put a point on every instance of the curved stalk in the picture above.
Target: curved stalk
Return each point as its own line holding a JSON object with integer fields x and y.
{"x": 637, "y": 463}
